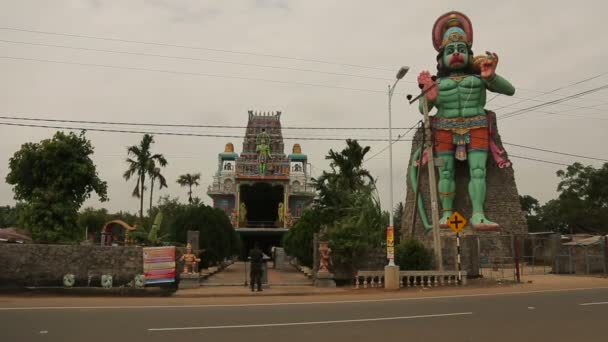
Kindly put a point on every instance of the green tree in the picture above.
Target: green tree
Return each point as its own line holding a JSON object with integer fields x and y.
{"x": 298, "y": 241}
{"x": 189, "y": 180}
{"x": 360, "y": 232}
{"x": 141, "y": 162}
{"x": 532, "y": 209}
{"x": 92, "y": 220}
{"x": 529, "y": 205}
{"x": 162, "y": 182}
{"x": 582, "y": 204}
{"x": 411, "y": 255}
{"x": 348, "y": 206}
{"x": 217, "y": 236}
{"x": 54, "y": 177}
{"x": 9, "y": 216}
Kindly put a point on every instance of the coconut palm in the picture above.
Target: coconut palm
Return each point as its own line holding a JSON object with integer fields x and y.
{"x": 141, "y": 162}
{"x": 189, "y": 180}
{"x": 162, "y": 182}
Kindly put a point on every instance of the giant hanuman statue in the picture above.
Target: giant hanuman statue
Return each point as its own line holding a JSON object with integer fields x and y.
{"x": 463, "y": 130}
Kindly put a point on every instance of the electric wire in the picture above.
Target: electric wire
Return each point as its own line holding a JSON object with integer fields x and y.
{"x": 555, "y": 90}
{"x": 247, "y": 53}
{"x": 241, "y": 78}
{"x": 193, "y": 59}
{"x": 552, "y": 102}
{"x": 401, "y": 136}
{"x": 187, "y": 125}
{"x": 240, "y": 136}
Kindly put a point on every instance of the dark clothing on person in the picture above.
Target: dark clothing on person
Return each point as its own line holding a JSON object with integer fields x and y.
{"x": 257, "y": 259}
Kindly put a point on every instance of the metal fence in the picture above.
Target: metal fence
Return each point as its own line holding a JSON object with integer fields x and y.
{"x": 515, "y": 257}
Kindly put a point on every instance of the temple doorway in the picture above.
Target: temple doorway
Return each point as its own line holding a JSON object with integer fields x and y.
{"x": 262, "y": 203}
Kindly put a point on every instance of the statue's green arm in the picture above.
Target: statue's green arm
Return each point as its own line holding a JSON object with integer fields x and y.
{"x": 499, "y": 84}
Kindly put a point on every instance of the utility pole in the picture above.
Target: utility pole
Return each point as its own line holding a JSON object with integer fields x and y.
{"x": 390, "y": 229}
{"x": 391, "y": 271}
{"x": 432, "y": 185}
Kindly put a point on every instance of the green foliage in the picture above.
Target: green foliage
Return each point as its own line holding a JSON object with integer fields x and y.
{"x": 189, "y": 180}
{"x": 298, "y": 240}
{"x": 411, "y": 255}
{"x": 53, "y": 178}
{"x": 581, "y": 207}
{"x": 532, "y": 209}
{"x": 9, "y": 216}
{"x": 347, "y": 206}
{"x": 142, "y": 163}
{"x": 217, "y": 237}
{"x": 359, "y": 232}
{"x": 92, "y": 219}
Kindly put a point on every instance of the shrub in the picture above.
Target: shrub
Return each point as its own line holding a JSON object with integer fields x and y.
{"x": 411, "y": 255}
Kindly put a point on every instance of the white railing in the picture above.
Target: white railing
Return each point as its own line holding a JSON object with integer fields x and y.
{"x": 372, "y": 279}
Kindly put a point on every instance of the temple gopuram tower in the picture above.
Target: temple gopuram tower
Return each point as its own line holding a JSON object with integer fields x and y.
{"x": 262, "y": 190}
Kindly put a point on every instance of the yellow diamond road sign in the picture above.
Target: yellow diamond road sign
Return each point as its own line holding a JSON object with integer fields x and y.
{"x": 457, "y": 222}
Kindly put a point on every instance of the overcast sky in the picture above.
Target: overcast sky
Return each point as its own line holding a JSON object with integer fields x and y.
{"x": 542, "y": 46}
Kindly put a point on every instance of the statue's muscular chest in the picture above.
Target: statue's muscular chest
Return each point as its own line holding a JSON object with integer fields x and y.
{"x": 460, "y": 96}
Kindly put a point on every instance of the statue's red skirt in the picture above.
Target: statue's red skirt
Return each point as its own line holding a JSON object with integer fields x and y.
{"x": 444, "y": 140}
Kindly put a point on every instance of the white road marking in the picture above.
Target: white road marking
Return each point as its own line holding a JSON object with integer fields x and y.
{"x": 310, "y": 323}
{"x": 596, "y": 303}
{"x": 44, "y": 332}
{"x": 531, "y": 308}
{"x": 195, "y": 306}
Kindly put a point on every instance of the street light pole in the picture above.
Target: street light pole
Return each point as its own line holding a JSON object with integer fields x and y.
{"x": 391, "y": 90}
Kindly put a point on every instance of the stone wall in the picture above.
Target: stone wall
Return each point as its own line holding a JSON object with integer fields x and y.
{"x": 45, "y": 265}
{"x": 502, "y": 201}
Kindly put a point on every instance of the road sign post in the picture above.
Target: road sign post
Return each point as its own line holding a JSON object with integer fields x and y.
{"x": 457, "y": 223}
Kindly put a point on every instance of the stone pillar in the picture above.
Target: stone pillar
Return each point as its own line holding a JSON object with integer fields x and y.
{"x": 193, "y": 239}
{"x": 391, "y": 277}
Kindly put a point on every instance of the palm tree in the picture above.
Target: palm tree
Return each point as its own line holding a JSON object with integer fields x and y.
{"x": 162, "y": 182}
{"x": 347, "y": 175}
{"x": 349, "y": 162}
{"x": 189, "y": 180}
{"x": 141, "y": 162}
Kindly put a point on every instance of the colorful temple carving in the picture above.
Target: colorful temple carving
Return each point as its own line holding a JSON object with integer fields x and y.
{"x": 262, "y": 190}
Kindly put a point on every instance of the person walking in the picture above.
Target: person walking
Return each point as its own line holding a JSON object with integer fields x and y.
{"x": 257, "y": 259}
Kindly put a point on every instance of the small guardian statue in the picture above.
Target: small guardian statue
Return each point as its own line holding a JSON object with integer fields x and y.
{"x": 190, "y": 260}
{"x": 324, "y": 257}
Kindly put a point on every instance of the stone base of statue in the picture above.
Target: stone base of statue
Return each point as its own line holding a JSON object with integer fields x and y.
{"x": 189, "y": 281}
{"x": 501, "y": 206}
{"x": 325, "y": 279}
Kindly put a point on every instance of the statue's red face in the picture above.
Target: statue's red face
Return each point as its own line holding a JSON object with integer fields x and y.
{"x": 456, "y": 56}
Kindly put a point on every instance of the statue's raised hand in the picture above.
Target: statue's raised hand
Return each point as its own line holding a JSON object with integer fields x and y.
{"x": 425, "y": 81}
{"x": 488, "y": 66}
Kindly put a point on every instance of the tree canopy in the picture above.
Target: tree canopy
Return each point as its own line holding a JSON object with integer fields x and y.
{"x": 217, "y": 236}
{"x": 189, "y": 180}
{"x": 141, "y": 163}
{"x": 53, "y": 178}
{"x": 582, "y": 204}
{"x": 347, "y": 206}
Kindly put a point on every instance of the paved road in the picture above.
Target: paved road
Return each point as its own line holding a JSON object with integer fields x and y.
{"x": 538, "y": 316}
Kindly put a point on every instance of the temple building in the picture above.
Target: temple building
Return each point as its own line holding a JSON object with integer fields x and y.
{"x": 262, "y": 190}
